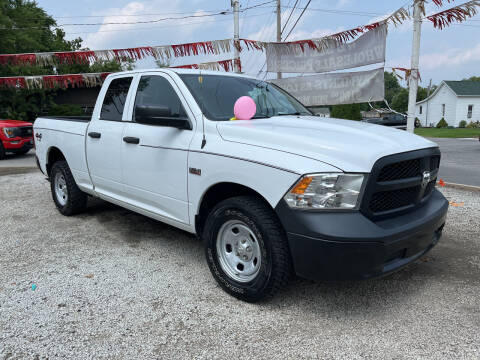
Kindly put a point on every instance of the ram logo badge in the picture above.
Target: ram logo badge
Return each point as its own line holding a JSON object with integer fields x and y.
{"x": 427, "y": 176}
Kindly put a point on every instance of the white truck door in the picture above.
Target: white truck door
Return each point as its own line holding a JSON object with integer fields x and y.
{"x": 104, "y": 139}
{"x": 155, "y": 158}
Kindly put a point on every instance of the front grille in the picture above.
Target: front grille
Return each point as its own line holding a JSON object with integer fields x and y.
{"x": 389, "y": 200}
{"x": 401, "y": 170}
{"x": 26, "y": 131}
{"x": 400, "y": 183}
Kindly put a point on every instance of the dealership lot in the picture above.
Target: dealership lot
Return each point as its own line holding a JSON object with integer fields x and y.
{"x": 114, "y": 284}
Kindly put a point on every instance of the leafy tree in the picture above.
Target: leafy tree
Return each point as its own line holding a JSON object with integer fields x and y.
{"x": 26, "y": 28}
{"x": 473, "y": 78}
{"x": 392, "y": 86}
{"x": 400, "y": 101}
{"x": 349, "y": 112}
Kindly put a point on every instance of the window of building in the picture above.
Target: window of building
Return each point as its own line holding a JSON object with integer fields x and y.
{"x": 443, "y": 109}
{"x": 470, "y": 111}
{"x": 114, "y": 102}
{"x": 421, "y": 110}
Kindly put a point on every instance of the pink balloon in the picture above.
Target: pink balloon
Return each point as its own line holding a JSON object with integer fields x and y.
{"x": 245, "y": 108}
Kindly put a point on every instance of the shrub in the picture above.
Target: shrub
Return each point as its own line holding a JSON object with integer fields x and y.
{"x": 473, "y": 125}
{"x": 442, "y": 124}
{"x": 462, "y": 124}
{"x": 417, "y": 123}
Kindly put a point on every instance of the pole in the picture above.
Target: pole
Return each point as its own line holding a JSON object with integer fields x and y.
{"x": 413, "y": 83}
{"x": 428, "y": 102}
{"x": 236, "y": 35}
{"x": 279, "y": 29}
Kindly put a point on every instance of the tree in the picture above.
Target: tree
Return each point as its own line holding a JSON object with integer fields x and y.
{"x": 26, "y": 28}
{"x": 349, "y": 112}
{"x": 392, "y": 86}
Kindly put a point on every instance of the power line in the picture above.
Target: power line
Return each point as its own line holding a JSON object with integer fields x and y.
{"x": 298, "y": 19}
{"x": 289, "y": 16}
{"x": 225, "y": 12}
{"x": 158, "y": 27}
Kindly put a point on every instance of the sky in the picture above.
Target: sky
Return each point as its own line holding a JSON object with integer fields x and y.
{"x": 449, "y": 54}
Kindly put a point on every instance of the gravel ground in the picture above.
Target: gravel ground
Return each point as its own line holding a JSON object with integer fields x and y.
{"x": 111, "y": 284}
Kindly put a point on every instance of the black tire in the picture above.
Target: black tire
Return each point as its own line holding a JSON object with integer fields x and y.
{"x": 275, "y": 268}
{"x": 2, "y": 151}
{"x": 76, "y": 200}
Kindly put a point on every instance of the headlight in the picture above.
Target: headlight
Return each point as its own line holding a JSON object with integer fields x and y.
{"x": 326, "y": 191}
{"x": 11, "y": 132}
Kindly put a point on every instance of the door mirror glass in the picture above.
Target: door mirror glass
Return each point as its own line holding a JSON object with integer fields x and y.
{"x": 160, "y": 116}
{"x": 157, "y": 103}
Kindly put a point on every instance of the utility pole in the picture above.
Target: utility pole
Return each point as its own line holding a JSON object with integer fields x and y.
{"x": 279, "y": 29}
{"x": 236, "y": 35}
{"x": 428, "y": 102}
{"x": 413, "y": 83}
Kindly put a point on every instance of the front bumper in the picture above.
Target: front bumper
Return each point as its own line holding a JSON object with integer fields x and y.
{"x": 339, "y": 245}
{"x": 18, "y": 144}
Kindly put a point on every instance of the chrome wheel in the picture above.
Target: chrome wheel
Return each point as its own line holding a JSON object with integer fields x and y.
{"x": 60, "y": 189}
{"x": 238, "y": 251}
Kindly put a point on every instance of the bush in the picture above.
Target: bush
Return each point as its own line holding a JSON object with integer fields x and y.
{"x": 417, "y": 123}
{"x": 65, "y": 110}
{"x": 473, "y": 125}
{"x": 462, "y": 124}
{"x": 442, "y": 124}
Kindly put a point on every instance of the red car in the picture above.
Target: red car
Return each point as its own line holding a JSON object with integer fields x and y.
{"x": 15, "y": 137}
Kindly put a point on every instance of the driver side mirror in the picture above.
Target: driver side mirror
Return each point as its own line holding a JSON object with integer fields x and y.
{"x": 161, "y": 116}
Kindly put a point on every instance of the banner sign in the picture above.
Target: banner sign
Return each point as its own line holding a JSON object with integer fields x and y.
{"x": 367, "y": 49}
{"x": 337, "y": 88}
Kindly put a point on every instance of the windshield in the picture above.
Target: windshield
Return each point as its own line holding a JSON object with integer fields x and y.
{"x": 216, "y": 96}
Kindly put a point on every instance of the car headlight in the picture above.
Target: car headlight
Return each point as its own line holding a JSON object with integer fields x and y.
{"x": 326, "y": 191}
{"x": 11, "y": 132}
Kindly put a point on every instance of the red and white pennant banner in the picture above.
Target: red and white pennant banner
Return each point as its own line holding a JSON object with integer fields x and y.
{"x": 226, "y": 65}
{"x": 95, "y": 79}
{"x": 164, "y": 52}
{"x": 53, "y": 81}
{"x": 456, "y": 14}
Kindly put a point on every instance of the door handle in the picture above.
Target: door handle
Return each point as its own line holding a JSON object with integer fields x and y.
{"x": 131, "y": 140}
{"x": 95, "y": 135}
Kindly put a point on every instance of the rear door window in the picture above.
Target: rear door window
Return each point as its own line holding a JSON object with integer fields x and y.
{"x": 114, "y": 102}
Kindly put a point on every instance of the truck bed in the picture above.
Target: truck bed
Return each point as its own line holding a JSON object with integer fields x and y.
{"x": 68, "y": 135}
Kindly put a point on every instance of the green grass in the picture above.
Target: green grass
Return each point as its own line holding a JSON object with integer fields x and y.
{"x": 448, "y": 133}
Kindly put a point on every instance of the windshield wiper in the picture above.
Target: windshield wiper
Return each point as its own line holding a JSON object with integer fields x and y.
{"x": 261, "y": 117}
{"x": 287, "y": 114}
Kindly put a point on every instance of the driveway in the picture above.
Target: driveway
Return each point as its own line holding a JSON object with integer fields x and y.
{"x": 111, "y": 284}
{"x": 18, "y": 164}
{"x": 460, "y": 160}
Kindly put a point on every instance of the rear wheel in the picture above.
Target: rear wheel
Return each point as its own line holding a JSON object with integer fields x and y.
{"x": 68, "y": 198}
{"x": 246, "y": 248}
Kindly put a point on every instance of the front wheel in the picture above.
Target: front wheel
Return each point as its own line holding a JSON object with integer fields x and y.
{"x": 68, "y": 198}
{"x": 246, "y": 248}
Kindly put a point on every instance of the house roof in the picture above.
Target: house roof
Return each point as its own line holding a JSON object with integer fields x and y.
{"x": 465, "y": 87}
{"x": 460, "y": 88}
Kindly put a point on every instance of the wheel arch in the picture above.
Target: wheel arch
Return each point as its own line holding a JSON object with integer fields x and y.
{"x": 54, "y": 154}
{"x": 217, "y": 193}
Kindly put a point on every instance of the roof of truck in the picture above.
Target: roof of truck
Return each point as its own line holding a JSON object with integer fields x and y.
{"x": 181, "y": 71}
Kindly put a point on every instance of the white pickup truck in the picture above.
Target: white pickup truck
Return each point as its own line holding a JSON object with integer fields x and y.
{"x": 283, "y": 193}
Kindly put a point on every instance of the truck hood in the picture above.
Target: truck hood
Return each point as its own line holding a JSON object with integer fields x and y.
{"x": 14, "y": 123}
{"x": 350, "y": 146}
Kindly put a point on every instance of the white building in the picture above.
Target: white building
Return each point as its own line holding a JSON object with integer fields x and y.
{"x": 452, "y": 100}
